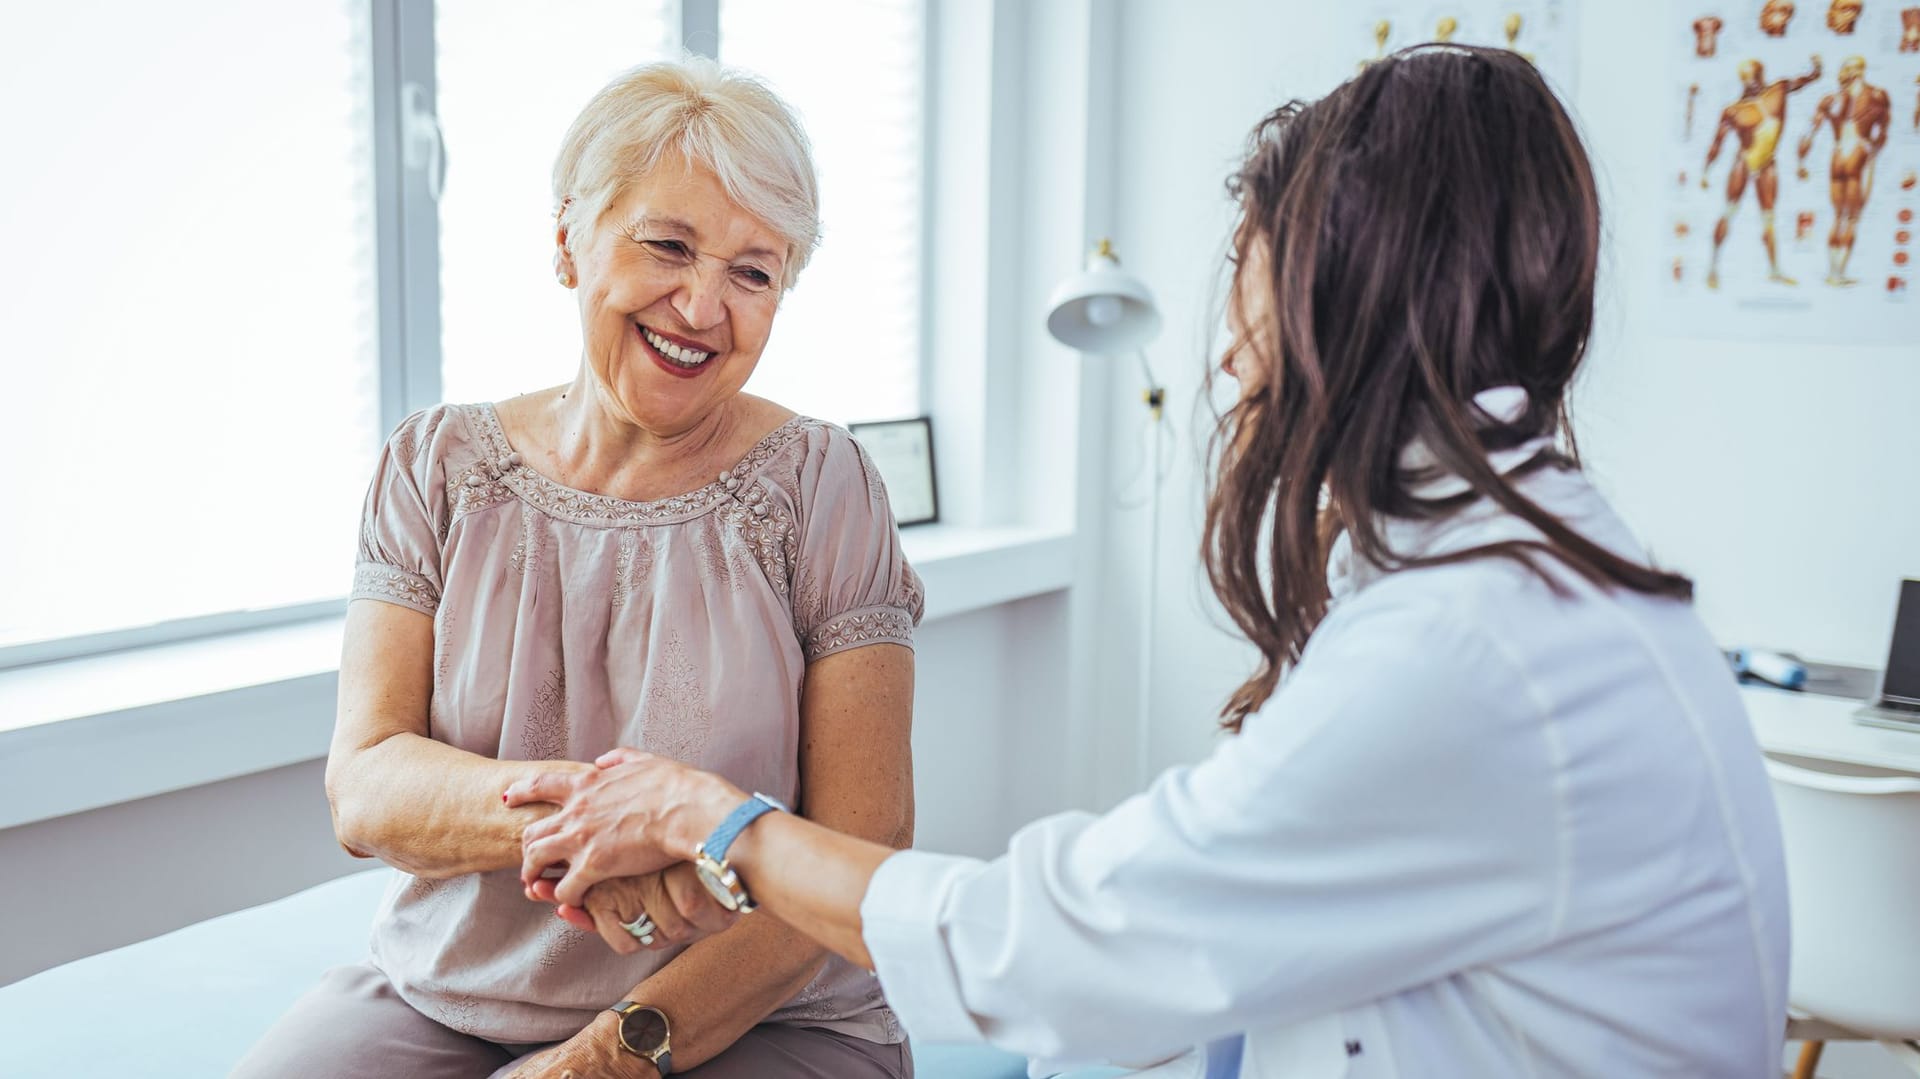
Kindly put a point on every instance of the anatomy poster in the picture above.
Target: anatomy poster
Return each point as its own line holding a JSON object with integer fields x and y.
{"x": 1794, "y": 170}
{"x": 1540, "y": 30}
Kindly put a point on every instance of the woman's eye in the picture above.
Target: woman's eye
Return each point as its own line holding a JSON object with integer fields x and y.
{"x": 671, "y": 248}
{"x": 756, "y": 280}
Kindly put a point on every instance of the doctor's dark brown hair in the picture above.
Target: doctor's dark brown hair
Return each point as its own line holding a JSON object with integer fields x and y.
{"x": 1427, "y": 231}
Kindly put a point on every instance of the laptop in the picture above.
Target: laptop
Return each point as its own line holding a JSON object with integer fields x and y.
{"x": 1898, "y": 705}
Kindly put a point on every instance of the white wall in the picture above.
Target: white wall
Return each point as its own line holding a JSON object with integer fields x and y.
{"x": 1694, "y": 440}
{"x": 989, "y": 728}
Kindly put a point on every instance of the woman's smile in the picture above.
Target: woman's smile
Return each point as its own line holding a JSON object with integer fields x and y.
{"x": 675, "y": 355}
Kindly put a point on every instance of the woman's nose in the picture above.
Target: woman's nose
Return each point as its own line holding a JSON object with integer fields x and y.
{"x": 701, "y": 300}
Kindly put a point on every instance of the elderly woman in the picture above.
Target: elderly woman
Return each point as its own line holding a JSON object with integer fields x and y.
{"x": 644, "y": 556}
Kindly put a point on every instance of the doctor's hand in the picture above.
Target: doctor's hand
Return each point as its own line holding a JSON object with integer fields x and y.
{"x": 633, "y": 814}
{"x": 681, "y": 908}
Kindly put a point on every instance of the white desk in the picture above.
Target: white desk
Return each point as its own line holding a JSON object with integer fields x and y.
{"x": 1823, "y": 728}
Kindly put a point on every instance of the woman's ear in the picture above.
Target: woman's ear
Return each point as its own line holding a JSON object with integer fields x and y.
{"x": 563, "y": 271}
{"x": 563, "y": 260}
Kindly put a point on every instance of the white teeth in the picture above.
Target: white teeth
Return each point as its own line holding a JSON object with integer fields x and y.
{"x": 685, "y": 357}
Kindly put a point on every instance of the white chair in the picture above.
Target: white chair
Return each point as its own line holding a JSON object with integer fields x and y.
{"x": 1853, "y": 877}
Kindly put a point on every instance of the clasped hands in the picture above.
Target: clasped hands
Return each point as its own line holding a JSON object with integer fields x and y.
{"x": 620, "y": 844}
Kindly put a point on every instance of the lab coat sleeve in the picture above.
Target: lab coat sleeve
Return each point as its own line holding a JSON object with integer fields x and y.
{"x": 1393, "y": 815}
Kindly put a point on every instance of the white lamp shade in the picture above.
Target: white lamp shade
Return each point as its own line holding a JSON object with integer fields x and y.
{"x": 1102, "y": 309}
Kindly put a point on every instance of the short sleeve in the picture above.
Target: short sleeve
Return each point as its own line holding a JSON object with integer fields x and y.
{"x": 852, "y": 584}
{"x": 399, "y": 557}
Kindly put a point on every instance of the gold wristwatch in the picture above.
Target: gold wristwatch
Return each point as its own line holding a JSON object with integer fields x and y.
{"x": 645, "y": 1032}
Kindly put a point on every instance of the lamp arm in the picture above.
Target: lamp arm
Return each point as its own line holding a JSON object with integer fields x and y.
{"x": 1146, "y": 369}
{"x": 1143, "y": 706}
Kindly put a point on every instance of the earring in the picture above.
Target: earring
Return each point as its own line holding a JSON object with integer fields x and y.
{"x": 565, "y": 279}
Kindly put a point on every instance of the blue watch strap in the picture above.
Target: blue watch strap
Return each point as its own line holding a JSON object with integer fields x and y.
{"x": 750, "y": 810}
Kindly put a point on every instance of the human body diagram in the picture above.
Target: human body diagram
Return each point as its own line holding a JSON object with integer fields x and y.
{"x": 1756, "y": 122}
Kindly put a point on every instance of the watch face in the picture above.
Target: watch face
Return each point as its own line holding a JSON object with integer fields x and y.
{"x": 644, "y": 1030}
{"x": 718, "y": 885}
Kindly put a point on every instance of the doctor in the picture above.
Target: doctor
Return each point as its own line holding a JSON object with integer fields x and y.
{"x": 1491, "y": 808}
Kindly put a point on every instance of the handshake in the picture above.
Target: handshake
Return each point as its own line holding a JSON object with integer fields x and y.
{"x": 616, "y": 855}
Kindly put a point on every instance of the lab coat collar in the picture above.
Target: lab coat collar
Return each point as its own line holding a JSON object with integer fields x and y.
{"x": 1347, "y": 573}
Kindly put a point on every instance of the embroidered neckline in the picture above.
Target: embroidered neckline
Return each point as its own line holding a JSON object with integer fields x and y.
{"x": 501, "y": 465}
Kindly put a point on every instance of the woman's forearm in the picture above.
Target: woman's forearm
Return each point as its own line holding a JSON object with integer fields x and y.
{"x": 810, "y": 877}
{"x": 428, "y": 808}
{"x": 419, "y": 805}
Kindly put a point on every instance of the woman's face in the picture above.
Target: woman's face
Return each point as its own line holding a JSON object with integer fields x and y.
{"x": 1250, "y": 314}
{"x": 678, "y": 288}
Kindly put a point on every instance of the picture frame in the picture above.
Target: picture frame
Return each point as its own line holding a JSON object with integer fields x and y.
{"x": 903, "y": 452}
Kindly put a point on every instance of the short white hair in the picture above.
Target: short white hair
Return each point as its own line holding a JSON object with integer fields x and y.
{"x": 718, "y": 117}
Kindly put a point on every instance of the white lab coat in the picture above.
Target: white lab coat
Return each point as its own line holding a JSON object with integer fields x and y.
{"x": 1481, "y": 830}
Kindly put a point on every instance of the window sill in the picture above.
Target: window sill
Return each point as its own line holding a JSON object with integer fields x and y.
{"x": 86, "y": 733}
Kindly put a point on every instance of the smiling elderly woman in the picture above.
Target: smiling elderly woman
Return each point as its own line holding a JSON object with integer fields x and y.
{"x": 645, "y": 556}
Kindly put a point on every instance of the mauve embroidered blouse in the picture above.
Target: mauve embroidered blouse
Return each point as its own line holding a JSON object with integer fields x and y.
{"x": 568, "y": 623}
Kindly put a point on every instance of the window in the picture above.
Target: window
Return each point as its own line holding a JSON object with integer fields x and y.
{"x": 846, "y": 345}
{"x": 512, "y": 76}
{"x": 191, "y": 388}
{"x": 261, "y": 234}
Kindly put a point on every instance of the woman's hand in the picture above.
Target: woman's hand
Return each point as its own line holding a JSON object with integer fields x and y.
{"x": 634, "y": 814}
{"x": 590, "y": 1054}
{"x": 680, "y": 906}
